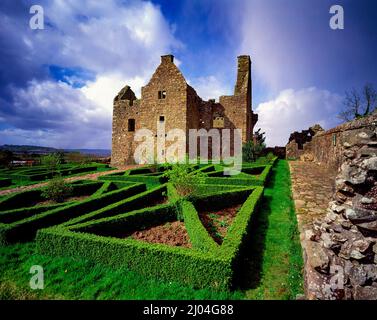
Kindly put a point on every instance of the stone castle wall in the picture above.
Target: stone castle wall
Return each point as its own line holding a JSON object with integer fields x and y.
{"x": 327, "y": 147}
{"x": 167, "y": 96}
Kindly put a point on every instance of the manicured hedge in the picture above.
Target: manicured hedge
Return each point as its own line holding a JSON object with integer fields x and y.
{"x": 216, "y": 201}
{"x": 20, "y": 199}
{"x": 207, "y": 168}
{"x": 240, "y": 226}
{"x": 127, "y": 204}
{"x": 39, "y": 173}
{"x": 205, "y": 265}
{"x": 97, "y": 228}
{"x": 120, "y": 225}
{"x": 240, "y": 179}
{"x": 191, "y": 267}
{"x": 138, "y": 171}
{"x": 44, "y": 174}
{"x": 10, "y": 216}
{"x": 5, "y": 182}
{"x": 199, "y": 237}
{"x": 215, "y": 188}
{"x": 150, "y": 181}
{"x": 29, "y": 198}
{"x": 25, "y": 230}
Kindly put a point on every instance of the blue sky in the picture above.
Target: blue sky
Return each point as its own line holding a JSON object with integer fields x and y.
{"x": 57, "y": 84}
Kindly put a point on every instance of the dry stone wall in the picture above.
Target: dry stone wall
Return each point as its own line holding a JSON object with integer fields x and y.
{"x": 326, "y": 147}
{"x": 341, "y": 249}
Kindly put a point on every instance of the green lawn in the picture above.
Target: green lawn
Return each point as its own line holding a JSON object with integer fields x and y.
{"x": 271, "y": 270}
{"x": 275, "y": 251}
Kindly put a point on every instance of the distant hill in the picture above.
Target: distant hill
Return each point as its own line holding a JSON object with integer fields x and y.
{"x": 95, "y": 152}
{"x": 19, "y": 149}
{"x": 27, "y": 148}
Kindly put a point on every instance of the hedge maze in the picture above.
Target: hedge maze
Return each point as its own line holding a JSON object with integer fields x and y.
{"x": 130, "y": 220}
{"x": 22, "y": 214}
{"x": 27, "y": 175}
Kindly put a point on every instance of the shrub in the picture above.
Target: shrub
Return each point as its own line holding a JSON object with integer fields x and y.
{"x": 184, "y": 178}
{"x": 251, "y": 151}
{"x": 52, "y": 161}
{"x": 6, "y": 157}
{"x": 57, "y": 190}
{"x": 270, "y": 156}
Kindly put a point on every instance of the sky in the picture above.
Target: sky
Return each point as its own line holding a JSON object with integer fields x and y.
{"x": 57, "y": 84}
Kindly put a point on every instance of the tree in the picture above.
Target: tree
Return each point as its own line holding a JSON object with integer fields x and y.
{"x": 52, "y": 162}
{"x": 184, "y": 178}
{"x": 359, "y": 104}
{"x": 60, "y": 155}
{"x": 253, "y": 149}
{"x": 57, "y": 190}
{"x": 260, "y": 137}
{"x": 6, "y": 158}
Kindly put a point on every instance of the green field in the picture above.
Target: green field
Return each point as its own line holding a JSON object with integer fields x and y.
{"x": 271, "y": 265}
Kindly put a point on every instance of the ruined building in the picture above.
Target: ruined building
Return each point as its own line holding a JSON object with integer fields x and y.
{"x": 168, "y": 99}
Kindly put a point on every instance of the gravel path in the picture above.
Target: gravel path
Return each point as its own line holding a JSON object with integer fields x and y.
{"x": 89, "y": 176}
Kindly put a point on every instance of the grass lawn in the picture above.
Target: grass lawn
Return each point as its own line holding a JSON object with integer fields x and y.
{"x": 272, "y": 267}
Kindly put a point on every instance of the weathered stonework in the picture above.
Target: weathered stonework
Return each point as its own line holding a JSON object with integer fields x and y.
{"x": 327, "y": 147}
{"x": 299, "y": 140}
{"x": 168, "y": 98}
{"x": 341, "y": 249}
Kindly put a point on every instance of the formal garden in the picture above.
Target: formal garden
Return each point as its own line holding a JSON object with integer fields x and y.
{"x": 21, "y": 176}
{"x": 158, "y": 231}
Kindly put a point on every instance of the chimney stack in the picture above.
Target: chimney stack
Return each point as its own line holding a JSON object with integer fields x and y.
{"x": 243, "y": 75}
{"x": 167, "y": 58}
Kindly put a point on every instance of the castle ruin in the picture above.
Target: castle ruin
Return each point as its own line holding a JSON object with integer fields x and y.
{"x": 167, "y": 99}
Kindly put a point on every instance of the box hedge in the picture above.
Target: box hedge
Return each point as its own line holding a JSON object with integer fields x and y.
{"x": 218, "y": 177}
{"x": 29, "y": 198}
{"x": 25, "y": 229}
{"x": 206, "y": 264}
{"x": 5, "y": 182}
{"x": 127, "y": 204}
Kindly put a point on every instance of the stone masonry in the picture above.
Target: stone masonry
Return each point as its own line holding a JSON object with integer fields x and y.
{"x": 340, "y": 246}
{"x": 327, "y": 147}
{"x": 167, "y": 99}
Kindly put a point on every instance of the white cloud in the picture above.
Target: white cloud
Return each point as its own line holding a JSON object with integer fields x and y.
{"x": 121, "y": 42}
{"x": 295, "y": 110}
{"x": 62, "y": 116}
{"x": 103, "y": 90}
{"x": 58, "y": 116}
{"x": 209, "y": 87}
{"x": 103, "y": 36}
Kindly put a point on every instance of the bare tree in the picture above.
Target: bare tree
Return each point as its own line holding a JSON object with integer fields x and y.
{"x": 370, "y": 95}
{"x": 359, "y": 104}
